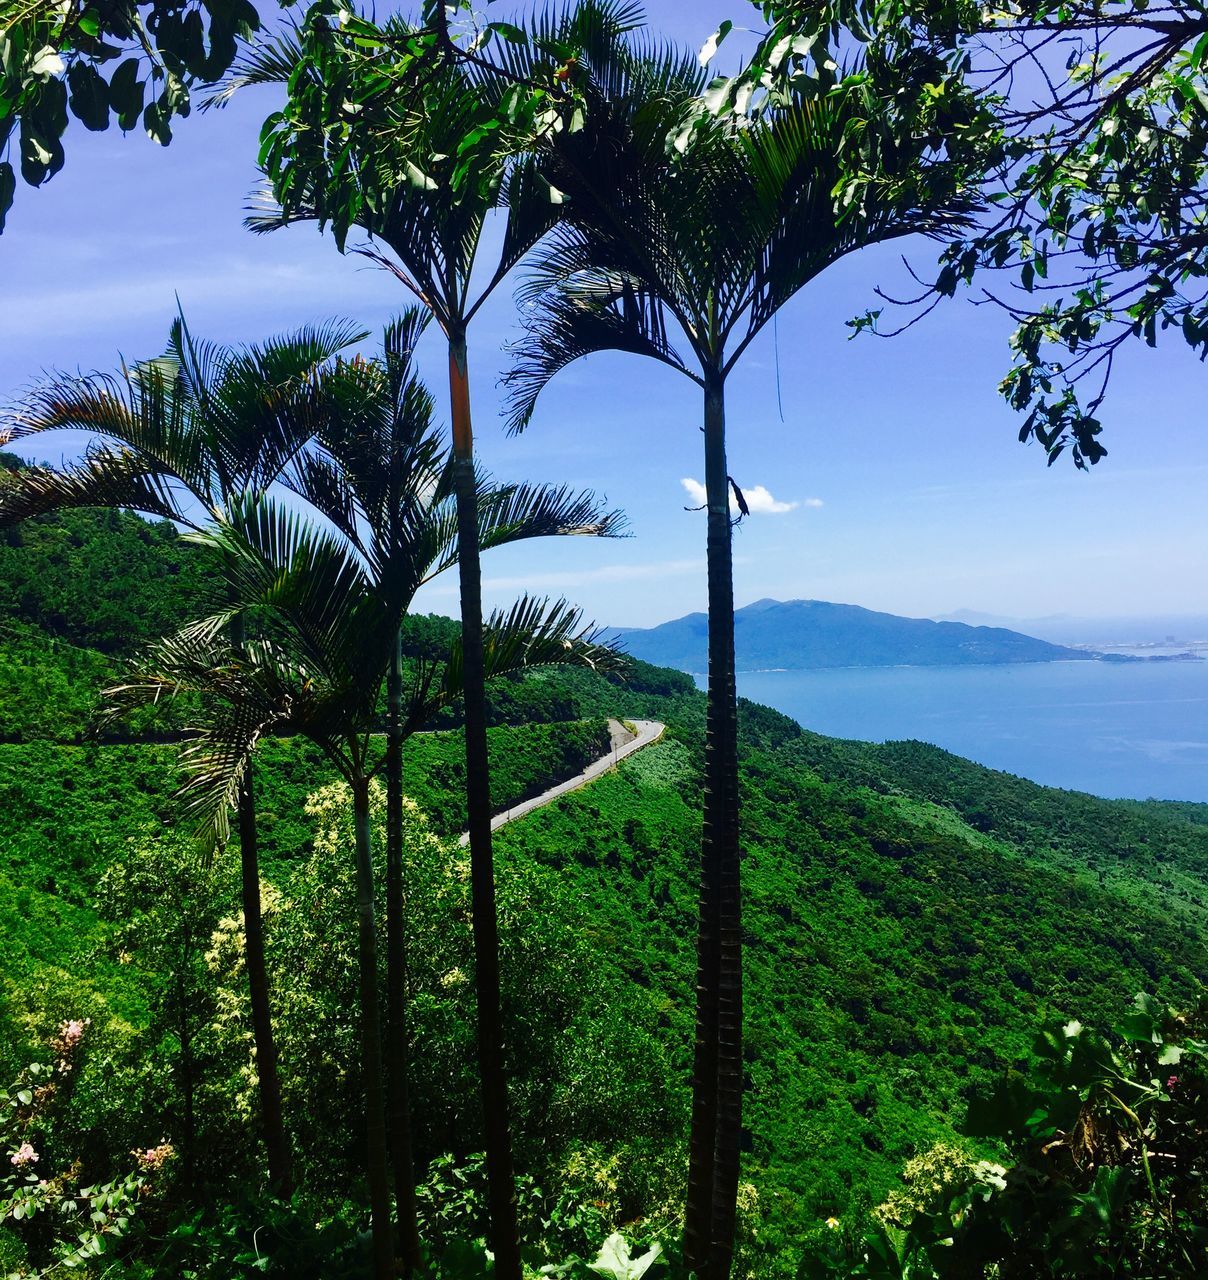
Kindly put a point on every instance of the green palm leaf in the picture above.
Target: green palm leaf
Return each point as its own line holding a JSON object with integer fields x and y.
{"x": 212, "y": 420}
{"x": 532, "y": 633}
{"x": 108, "y": 477}
{"x": 306, "y": 583}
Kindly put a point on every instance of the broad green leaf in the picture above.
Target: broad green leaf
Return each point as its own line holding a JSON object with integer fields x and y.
{"x": 709, "y": 49}
{"x": 617, "y": 1263}
{"x": 8, "y": 188}
{"x": 46, "y": 63}
{"x": 509, "y": 31}
{"x": 126, "y": 93}
{"x": 89, "y": 96}
{"x": 417, "y": 177}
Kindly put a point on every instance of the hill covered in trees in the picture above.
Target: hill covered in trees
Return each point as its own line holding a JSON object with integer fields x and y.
{"x": 911, "y": 919}
{"x": 792, "y": 634}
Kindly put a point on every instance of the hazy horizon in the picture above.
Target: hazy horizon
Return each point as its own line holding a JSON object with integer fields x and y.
{"x": 1059, "y": 628}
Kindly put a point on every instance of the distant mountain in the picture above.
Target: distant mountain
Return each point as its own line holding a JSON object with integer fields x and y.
{"x": 773, "y": 634}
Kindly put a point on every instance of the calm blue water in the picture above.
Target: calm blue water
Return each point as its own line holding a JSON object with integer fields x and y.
{"x": 1138, "y": 730}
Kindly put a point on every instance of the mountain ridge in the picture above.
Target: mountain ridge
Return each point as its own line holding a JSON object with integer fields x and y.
{"x": 806, "y": 634}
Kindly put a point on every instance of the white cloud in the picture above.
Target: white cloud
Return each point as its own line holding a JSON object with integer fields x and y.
{"x": 759, "y": 500}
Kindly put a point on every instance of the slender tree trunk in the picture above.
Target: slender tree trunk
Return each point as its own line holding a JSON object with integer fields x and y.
{"x": 184, "y": 1034}
{"x": 280, "y": 1167}
{"x": 276, "y": 1143}
{"x": 396, "y": 973}
{"x": 501, "y": 1186}
{"x": 716, "y": 1138}
{"x": 371, "y": 1043}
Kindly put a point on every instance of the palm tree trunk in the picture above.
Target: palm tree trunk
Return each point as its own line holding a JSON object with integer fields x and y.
{"x": 396, "y": 973}
{"x": 716, "y": 1138}
{"x": 187, "y": 1083}
{"x": 371, "y": 1043}
{"x": 276, "y": 1143}
{"x": 280, "y": 1166}
{"x": 501, "y": 1186}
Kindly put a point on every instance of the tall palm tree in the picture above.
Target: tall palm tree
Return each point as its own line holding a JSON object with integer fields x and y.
{"x": 378, "y": 463}
{"x": 327, "y": 619}
{"x": 706, "y": 246}
{"x": 427, "y": 230}
{"x": 178, "y": 437}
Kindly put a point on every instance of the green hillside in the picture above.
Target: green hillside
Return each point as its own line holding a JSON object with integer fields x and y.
{"x": 910, "y": 917}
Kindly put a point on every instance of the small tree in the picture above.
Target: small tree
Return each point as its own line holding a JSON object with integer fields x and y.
{"x": 326, "y": 633}
{"x": 429, "y": 154}
{"x": 179, "y": 437}
{"x": 382, "y": 478}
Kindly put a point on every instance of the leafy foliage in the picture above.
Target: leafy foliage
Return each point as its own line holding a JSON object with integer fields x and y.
{"x": 911, "y": 917}
{"x": 1087, "y": 125}
{"x": 56, "y": 1221}
{"x": 1105, "y": 1177}
{"x": 130, "y": 61}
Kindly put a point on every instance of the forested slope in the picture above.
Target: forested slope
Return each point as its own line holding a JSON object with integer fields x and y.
{"x": 910, "y": 918}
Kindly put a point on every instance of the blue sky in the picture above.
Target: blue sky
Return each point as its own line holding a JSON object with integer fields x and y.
{"x": 905, "y": 485}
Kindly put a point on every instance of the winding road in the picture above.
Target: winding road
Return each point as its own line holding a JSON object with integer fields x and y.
{"x": 624, "y": 743}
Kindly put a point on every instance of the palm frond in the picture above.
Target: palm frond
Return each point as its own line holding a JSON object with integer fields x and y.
{"x": 379, "y": 468}
{"x": 142, "y": 409}
{"x": 586, "y": 29}
{"x": 262, "y": 409}
{"x": 239, "y": 706}
{"x": 215, "y": 419}
{"x": 533, "y": 209}
{"x": 532, "y": 633}
{"x": 266, "y": 61}
{"x": 712, "y": 244}
{"x": 307, "y": 581}
{"x": 393, "y": 179}
{"x": 516, "y": 513}
{"x": 796, "y": 228}
{"x": 108, "y": 477}
{"x": 513, "y": 513}
{"x": 577, "y": 319}
{"x": 402, "y": 336}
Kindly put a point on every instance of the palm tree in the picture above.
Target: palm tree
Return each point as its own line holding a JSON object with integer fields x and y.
{"x": 427, "y": 231}
{"x": 178, "y": 437}
{"x": 328, "y": 621}
{"x": 377, "y": 458}
{"x": 707, "y": 246}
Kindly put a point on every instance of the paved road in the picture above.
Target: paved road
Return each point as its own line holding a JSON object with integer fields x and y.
{"x": 624, "y": 743}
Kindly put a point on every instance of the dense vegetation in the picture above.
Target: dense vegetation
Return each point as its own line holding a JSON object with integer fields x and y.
{"x": 896, "y": 933}
{"x": 911, "y": 919}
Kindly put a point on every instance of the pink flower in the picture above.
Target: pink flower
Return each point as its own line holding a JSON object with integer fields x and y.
{"x": 71, "y": 1032}
{"x": 1170, "y": 1084}
{"x": 154, "y": 1158}
{"x": 24, "y": 1155}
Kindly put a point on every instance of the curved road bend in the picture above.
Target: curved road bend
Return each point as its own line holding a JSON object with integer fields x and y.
{"x": 624, "y": 743}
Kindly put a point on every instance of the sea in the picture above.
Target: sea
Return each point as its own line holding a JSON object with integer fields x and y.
{"x": 1137, "y": 730}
